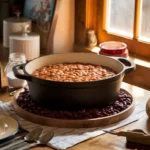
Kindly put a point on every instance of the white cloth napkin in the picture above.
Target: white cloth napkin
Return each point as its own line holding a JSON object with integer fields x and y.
{"x": 68, "y": 137}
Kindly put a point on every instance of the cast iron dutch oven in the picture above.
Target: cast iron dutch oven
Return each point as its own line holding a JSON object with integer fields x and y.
{"x": 73, "y": 95}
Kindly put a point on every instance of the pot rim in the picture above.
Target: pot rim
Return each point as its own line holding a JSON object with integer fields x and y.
{"x": 114, "y": 78}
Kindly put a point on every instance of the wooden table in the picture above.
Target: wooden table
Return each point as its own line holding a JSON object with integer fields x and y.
{"x": 103, "y": 142}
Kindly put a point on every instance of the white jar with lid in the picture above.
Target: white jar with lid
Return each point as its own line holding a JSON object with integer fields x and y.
{"x": 12, "y": 81}
{"x": 25, "y": 42}
{"x": 13, "y": 25}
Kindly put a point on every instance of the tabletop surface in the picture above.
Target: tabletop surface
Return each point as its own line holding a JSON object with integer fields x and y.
{"x": 102, "y": 142}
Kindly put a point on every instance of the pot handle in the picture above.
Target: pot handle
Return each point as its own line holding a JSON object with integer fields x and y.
{"x": 128, "y": 64}
{"x": 19, "y": 75}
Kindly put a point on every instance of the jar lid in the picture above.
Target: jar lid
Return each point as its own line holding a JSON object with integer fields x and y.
{"x": 17, "y": 57}
{"x": 17, "y": 19}
{"x": 25, "y": 34}
{"x": 20, "y": 36}
{"x": 90, "y": 31}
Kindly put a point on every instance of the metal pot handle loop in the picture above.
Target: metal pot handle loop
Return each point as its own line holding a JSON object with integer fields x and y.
{"x": 19, "y": 75}
{"x": 128, "y": 64}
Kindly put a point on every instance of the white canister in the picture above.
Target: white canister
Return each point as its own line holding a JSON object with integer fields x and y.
{"x": 29, "y": 44}
{"x": 13, "y": 25}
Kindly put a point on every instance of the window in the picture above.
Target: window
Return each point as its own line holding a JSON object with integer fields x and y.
{"x": 127, "y": 21}
{"x": 120, "y": 17}
{"x": 145, "y": 21}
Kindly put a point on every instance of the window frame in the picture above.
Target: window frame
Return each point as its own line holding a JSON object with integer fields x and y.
{"x": 96, "y": 19}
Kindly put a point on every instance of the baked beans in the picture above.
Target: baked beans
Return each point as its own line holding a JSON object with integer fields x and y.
{"x": 74, "y": 72}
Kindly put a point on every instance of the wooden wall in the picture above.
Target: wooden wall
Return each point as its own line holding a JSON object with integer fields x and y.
{"x": 80, "y": 22}
{"x": 63, "y": 38}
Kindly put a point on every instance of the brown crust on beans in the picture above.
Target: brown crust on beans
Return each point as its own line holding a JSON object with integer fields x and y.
{"x": 74, "y": 72}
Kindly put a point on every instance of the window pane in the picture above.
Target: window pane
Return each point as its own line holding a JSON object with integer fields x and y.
{"x": 145, "y": 20}
{"x": 120, "y": 17}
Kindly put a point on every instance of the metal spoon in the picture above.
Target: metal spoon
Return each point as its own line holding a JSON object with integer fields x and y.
{"x": 43, "y": 140}
{"x": 30, "y": 137}
{"x": 33, "y": 135}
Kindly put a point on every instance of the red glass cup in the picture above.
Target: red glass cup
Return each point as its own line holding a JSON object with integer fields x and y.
{"x": 113, "y": 48}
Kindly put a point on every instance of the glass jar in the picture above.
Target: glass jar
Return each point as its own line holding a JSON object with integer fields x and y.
{"x": 12, "y": 81}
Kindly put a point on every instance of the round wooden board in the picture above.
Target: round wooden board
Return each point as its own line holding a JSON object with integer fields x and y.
{"x": 62, "y": 123}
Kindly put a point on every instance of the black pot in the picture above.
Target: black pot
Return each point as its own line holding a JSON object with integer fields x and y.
{"x": 73, "y": 95}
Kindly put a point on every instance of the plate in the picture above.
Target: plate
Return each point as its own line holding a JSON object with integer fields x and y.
{"x": 8, "y": 126}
